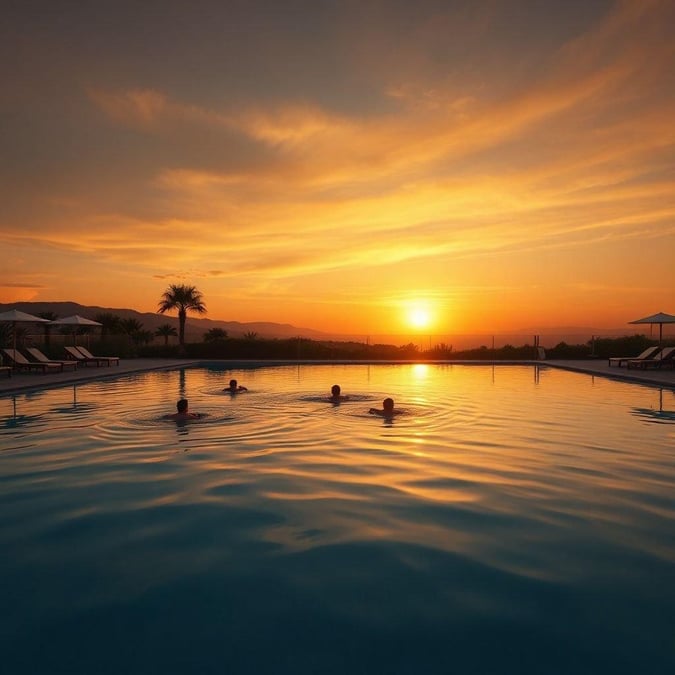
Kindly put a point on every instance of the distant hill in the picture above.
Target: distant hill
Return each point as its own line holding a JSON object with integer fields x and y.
{"x": 194, "y": 327}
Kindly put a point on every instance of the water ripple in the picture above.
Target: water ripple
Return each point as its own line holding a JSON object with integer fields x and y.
{"x": 535, "y": 515}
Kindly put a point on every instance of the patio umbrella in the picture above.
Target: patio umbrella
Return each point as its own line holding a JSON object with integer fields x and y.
{"x": 658, "y": 318}
{"x": 76, "y": 321}
{"x": 14, "y": 316}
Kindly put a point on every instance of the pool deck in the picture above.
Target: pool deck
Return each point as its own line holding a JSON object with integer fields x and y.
{"x": 25, "y": 381}
{"x": 34, "y": 379}
{"x": 659, "y": 377}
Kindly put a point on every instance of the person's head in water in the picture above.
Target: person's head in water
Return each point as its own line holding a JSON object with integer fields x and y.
{"x": 183, "y": 414}
{"x": 336, "y": 394}
{"x": 387, "y": 409}
{"x": 234, "y": 386}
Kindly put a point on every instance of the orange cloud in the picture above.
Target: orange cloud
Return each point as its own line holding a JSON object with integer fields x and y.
{"x": 445, "y": 178}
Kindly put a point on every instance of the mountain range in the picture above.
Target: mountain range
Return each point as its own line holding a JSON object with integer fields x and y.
{"x": 194, "y": 327}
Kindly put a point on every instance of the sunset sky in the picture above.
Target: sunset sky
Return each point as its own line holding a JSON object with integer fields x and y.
{"x": 339, "y": 165}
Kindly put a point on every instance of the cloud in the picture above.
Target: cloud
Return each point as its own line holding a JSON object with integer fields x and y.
{"x": 442, "y": 164}
{"x": 433, "y": 131}
{"x": 135, "y": 107}
{"x": 30, "y": 286}
{"x": 152, "y": 110}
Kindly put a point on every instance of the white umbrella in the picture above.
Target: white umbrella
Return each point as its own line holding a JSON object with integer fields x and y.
{"x": 660, "y": 318}
{"x": 14, "y": 316}
{"x": 76, "y": 321}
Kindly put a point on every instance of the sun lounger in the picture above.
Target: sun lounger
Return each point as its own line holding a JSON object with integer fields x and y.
{"x": 20, "y": 362}
{"x": 76, "y": 355}
{"x": 39, "y": 357}
{"x": 620, "y": 360}
{"x": 87, "y": 354}
{"x": 664, "y": 359}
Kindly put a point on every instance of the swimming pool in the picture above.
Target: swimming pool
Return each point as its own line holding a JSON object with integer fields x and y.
{"x": 516, "y": 519}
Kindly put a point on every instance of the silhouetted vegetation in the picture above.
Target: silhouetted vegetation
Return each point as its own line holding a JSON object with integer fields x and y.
{"x": 292, "y": 349}
{"x": 110, "y": 323}
{"x": 166, "y": 330}
{"x": 624, "y": 346}
{"x": 215, "y": 335}
{"x": 184, "y": 299}
{"x": 50, "y": 316}
{"x": 217, "y": 345}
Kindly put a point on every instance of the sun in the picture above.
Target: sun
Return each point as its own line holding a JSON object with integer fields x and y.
{"x": 419, "y": 316}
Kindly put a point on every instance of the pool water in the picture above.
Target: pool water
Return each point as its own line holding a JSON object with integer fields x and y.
{"x": 515, "y": 519}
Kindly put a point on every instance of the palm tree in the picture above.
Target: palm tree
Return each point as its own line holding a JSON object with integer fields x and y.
{"x": 142, "y": 337}
{"x": 50, "y": 316}
{"x": 110, "y": 323}
{"x": 132, "y": 328}
{"x": 185, "y": 299}
{"x": 215, "y": 335}
{"x": 251, "y": 335}
{"x": 166, "y": 330}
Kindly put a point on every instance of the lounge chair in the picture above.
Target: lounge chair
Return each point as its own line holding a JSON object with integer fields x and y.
{"x": 41, "y": 358}
{"x": 75, "y": 354}
{"x": 620, "y": 360}
{"x": 20, "y": 362}
{"x": 87, "y": 354}
{"x": 664, "y": 359}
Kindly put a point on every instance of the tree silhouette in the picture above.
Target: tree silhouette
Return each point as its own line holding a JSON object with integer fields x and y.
{"x": 142, "y": 337}
{"x": 185, "y": 299}
{"x": 110, "y": 323}
{"x": 166, "y": 330}
{"x": 215, "y": 335}
{"x": 250, "y": 335}
{"x": 50, "y": 316}
{"x": 132, "y": 328}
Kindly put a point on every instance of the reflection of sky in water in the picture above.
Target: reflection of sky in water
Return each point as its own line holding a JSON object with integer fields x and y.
{"x": 523, "y": 508}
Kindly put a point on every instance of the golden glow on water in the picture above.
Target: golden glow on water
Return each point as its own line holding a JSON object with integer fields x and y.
{"x": 420, "y": 370}
{"x": 495, "y": 486}
{"x": 490, "y": 439}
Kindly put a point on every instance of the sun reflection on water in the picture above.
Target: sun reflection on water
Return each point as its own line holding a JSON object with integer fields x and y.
{"x": 496, "y": 498}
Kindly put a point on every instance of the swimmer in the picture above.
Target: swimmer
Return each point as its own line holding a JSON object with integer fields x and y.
{"x": 335, "y": 395}
{"x": 234, "y": 387}
{"x": 387, "y": 409}
{"x": 183, "y": 413}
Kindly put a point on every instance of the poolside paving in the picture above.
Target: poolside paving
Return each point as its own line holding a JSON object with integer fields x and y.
{"x": 27, "y": 380}
{"x": 24, "y": 381}
{"x": 663, "y": 377}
